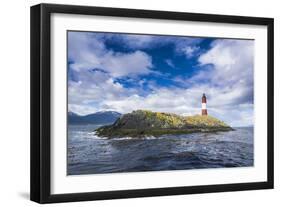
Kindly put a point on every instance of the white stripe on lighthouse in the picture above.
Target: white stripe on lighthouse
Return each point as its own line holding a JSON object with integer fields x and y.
{"x": 204, "y": 106}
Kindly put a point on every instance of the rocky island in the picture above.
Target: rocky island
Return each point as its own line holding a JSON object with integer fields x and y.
{"x": 141, "y": 123}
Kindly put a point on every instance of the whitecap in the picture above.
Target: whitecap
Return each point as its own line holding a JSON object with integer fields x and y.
{"x": 93, "y": 135}
{"x": 122, "y": 138}
{"x": 149, "y": 137}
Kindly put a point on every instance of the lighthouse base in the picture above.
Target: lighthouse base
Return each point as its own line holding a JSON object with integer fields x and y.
{"x": 204, "y": 112}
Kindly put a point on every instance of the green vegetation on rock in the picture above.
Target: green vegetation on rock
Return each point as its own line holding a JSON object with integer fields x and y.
{"x": 144, "y": 123}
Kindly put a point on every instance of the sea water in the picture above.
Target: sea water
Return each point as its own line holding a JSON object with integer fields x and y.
{"x": 90, "y": 154}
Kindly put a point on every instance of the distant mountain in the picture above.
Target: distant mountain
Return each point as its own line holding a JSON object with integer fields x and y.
{"x": 102, "y": 117}
{"x": 143, "y": 122}
{"x": 72, "y": 114}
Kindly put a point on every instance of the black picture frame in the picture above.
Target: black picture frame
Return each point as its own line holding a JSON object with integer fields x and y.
{"x": 40, "y": 184}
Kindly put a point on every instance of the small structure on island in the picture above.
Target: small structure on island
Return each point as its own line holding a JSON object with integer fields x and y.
{"x": 204, "y": 105}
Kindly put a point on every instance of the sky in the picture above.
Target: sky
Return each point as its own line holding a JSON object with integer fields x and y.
{"x": 125, "y": 72}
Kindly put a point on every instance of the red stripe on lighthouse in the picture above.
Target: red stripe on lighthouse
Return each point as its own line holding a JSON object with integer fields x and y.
{"x": 204, "y": 105}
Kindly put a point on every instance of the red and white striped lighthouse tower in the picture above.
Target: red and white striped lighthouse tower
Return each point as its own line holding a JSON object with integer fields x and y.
{"x": 204, "y": 105}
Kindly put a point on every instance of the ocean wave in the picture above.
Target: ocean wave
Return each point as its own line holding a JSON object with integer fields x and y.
{"x": 134, "y": 138}
{"x": 122, "y": 138}
{"x": 150, "y": 138}
{"x": 95, "y": 136}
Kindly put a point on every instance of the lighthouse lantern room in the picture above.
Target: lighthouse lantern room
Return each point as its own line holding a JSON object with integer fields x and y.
{"x": 204, "y": 105}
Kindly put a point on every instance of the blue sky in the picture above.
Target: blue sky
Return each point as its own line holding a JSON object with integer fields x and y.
{"x": 125, "y": 72}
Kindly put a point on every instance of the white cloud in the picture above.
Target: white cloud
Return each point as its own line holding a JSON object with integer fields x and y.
{"x": 190, "y": 51}
{"x": 170, "y": 63}
{"x": 232, "y": 61}
{"x": 94, "y": 87}
{"x": 175, "y": 101}
{"x": 119, "y": 64}
{"x": 135, "y": 41}
{"x": 138, "y": 41}
{"x": 88, "y": 52}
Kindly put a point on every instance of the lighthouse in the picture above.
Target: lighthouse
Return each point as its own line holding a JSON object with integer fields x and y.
{"x": 204, "y": 105}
